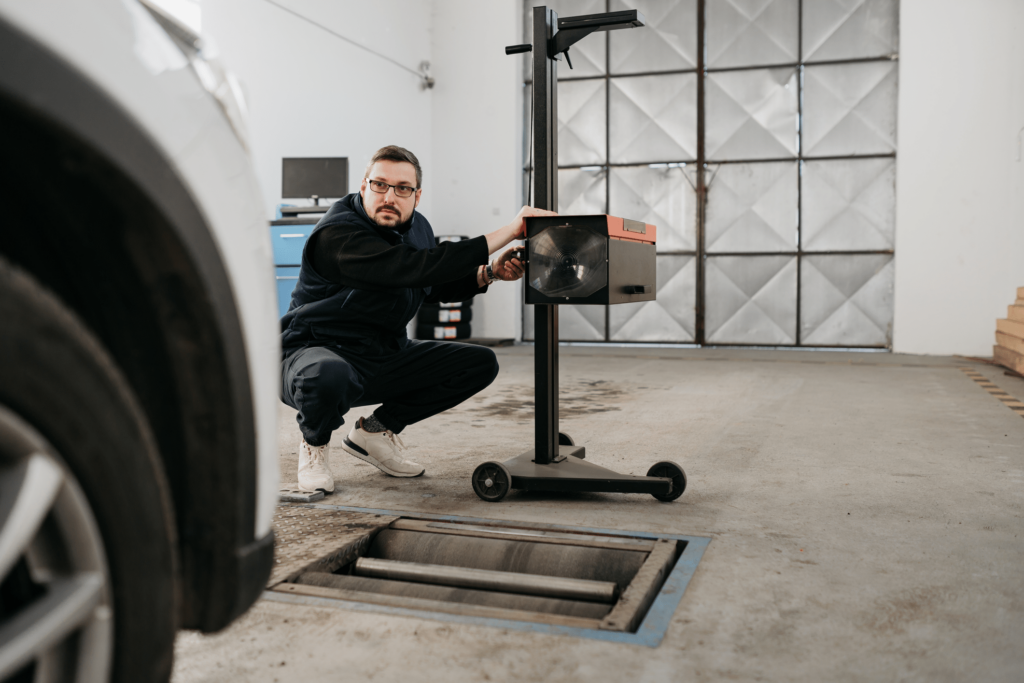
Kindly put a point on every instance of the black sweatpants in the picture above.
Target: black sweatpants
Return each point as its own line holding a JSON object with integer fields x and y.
{"x": 412, "y": 379}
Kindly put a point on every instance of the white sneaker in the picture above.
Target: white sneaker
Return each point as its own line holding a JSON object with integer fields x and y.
{"x": 383, "y": 450}
{"x": 314, "y": 473}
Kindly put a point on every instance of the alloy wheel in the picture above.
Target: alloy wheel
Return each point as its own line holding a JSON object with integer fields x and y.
{"x": 56, "y": 616}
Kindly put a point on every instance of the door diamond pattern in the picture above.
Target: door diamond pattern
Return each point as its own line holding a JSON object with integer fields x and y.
{"x": 751, "y": 300}
{"x": 653, "y": 118}
{"x": 581, "y": 190}
{"x": 581, "y": 122}
{"x": 667, "y": 43}
{"x": 752, "y": 207}
{"x": 751, "y": 114}
{"x": 847, "y": 300}
{"x": 662, "y": 195}
{"x": 798, "y": 166}
{"x": 850, "y": 109}
{"x": 849, "y": 204}
{"x": 751, "y": 32}
{"x": 581, "y": 323}
{"x": 848, "y": 29}
{"x": 575, "y": 323}
{"x": 671, "y": 317}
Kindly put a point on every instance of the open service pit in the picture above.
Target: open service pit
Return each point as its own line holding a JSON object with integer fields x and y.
{"x": 603, "y": 584}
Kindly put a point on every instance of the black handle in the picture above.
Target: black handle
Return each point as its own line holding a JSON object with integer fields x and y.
{"x": 517, "y": 49}
{"x": 638, "y": 289}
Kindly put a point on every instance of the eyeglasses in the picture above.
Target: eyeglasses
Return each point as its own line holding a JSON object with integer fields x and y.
{"x": 403, "y": 191}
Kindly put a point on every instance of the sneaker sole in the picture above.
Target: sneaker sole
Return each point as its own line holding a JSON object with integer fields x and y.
{"x": 328, "y": 492}
{"x": 353, "y": 449}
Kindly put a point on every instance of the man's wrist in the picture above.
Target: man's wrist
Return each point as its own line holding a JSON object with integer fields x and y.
{"x": 489, "y": 274}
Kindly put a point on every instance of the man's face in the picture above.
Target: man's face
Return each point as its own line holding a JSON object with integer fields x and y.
{"x": 388, "y": 209}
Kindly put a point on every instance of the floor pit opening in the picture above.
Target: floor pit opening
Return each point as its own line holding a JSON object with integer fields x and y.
{"x": 580, "y": 581}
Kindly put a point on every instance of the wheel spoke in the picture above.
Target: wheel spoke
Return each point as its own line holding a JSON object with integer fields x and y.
{"x": 50, "y": 665}
{"x": 68, "y": 603}
{"x": 31, "y": 487}
{"x": 96, "y": 642}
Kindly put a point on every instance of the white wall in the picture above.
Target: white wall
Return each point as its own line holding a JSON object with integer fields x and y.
{"x": 313, "y": 94}
{"x": 959, "y": 186}
{"x": 477, "y": 136}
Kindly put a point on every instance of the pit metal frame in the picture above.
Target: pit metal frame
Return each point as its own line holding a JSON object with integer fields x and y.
{"x": 652, "y": 628}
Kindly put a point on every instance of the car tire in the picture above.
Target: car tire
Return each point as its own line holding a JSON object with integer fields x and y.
{"x": 63, "y": 401}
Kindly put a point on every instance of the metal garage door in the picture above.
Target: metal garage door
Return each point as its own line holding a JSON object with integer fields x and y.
{"x": 760, "y": 137}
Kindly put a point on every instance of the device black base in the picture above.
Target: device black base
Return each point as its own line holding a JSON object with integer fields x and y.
{"x": 576, "y": 474}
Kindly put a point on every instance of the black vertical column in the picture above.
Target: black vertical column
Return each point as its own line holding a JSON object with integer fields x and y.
{"x": 799, "y": 166}
{"x": 545, "y": 173}
{"x": 700, "y": 333}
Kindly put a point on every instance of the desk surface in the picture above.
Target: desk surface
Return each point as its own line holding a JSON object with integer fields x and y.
{"x": 297, "y": 220}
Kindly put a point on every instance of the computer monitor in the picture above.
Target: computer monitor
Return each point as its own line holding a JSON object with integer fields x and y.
{"x": 314, "y": 177}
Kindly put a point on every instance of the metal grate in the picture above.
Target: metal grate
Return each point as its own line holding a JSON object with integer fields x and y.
{"x": 305, "y": 537}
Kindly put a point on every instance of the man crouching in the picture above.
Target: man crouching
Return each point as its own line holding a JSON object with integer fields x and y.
{"x": 366, "y": 268}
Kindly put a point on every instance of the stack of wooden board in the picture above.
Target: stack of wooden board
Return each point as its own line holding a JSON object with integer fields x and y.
{"x": 1009, "y": 348}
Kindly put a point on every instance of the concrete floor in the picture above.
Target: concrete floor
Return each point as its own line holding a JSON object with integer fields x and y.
{"x": 865, "y": 510}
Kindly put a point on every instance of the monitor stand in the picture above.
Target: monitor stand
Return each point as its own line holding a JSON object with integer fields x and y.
{"x": 298, "y": 210}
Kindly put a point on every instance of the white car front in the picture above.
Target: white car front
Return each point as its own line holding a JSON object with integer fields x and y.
{"x": 184, "y": 301}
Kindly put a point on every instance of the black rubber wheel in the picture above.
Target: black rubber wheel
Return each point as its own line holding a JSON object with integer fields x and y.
{"x": 492, "y": 481}
{"x": 565, "y": 440}
{"x": 667, "y": 468}
{"x": 67, "y": 412}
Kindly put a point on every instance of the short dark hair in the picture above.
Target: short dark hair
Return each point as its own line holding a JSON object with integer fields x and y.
{"x": 396, "y": 153}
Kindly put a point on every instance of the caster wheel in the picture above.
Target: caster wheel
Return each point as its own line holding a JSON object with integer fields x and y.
{"x": 667, "y": 468}
{"x": 565, "y": 440}
{"x": 492, "y": 481}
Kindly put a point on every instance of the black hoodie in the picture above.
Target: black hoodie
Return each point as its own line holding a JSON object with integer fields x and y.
{"x": 361, "y": 281}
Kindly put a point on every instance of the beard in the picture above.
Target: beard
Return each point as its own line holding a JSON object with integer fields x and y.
{"x": 387, "y": 217}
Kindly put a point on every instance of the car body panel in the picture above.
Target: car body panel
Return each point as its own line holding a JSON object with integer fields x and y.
{"x": 118, "y": 49}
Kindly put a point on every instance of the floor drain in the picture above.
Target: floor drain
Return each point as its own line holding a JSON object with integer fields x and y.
{"x": 591, "y": 583}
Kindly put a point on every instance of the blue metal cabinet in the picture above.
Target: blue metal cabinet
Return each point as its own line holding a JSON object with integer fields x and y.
{"x": 288, "y": 241}
{"x": 288, "y": 237}
{"x": 287, "y": 276}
